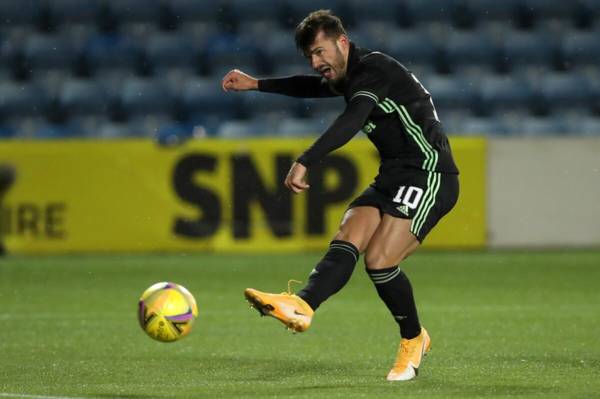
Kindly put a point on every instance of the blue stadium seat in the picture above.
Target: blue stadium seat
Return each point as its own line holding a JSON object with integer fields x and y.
{"x": 194, "y": 10}
{"x": 74, "y": 11}
{"x": 145, "y": 97}
{"x": 493, "y": 10}
{"x": 228, "y": 50}
{"x": 412, "y": 47}
{"x": 301, "y": 127}
{"x": 257, "y": 10}
{"x": 586, "y": 126}
{"x": 298, "y": 10}
{"x": 111, "y": 129}
{"x": 249, "y": 128}
{"x": 450, "y": 93}
{"x": 548, "y": 9}
{"x": 111, "y": 51}
{"x": 7, "y": 131}
{"x": 565, "y": 91}
{"x": 376, "y": 10}
{"x": 262, "y": 104}
{"x": 280, "y": 48}
{"x": 581, "y": 49}
{"x": 132, "y": 11}
{"x": 372, "y": 35}
{"x": 471, "y": 49}
{"x": 500, "y": 93}
{"x": 168, "y": 50}
{"x": 21, "y": 99}
{"x": 203, "y": 99}
{"x": 534, "y": 126}
{"x": 313, "y": 107}
{"x": 57, "y": 131}
{"x": 523, "y": 49}
{"x": 473, "y": 125}
{"x": 48, "y": 52}
{"x": 84, "y": 97}
{"x": 427, "y": 11}
{"x": 15, "y": 13}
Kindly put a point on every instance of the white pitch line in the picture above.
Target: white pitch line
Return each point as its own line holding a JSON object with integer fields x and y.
{"x": 26, "y": 396}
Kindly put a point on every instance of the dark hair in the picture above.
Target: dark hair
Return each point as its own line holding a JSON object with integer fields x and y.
{"x": 316, "y": 21}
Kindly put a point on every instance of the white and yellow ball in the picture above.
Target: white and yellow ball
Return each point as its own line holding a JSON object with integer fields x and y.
{"x": 167, "y": 311}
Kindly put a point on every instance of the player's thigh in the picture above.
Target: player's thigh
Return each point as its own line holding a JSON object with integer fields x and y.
{"x": 391, "y": 242}
{"x": 358, "y": 225}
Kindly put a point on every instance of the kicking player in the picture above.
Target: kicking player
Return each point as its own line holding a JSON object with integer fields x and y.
{"x": 416, "y": 186}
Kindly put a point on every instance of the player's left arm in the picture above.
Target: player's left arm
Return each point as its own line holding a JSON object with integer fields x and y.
{"x": 338, "y": 134}
{"x": 364, "y": 93}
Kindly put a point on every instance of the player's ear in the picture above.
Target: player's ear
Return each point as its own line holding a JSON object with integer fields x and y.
{"x": 344, "y": 41}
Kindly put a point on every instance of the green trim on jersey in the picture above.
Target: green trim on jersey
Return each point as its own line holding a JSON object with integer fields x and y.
{"x": 414, "y": 130}
{"x": 427, "y": 203}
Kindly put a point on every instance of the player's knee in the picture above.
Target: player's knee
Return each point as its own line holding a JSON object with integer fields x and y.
{"x": 355, "y": 239}
{"x": 377, "y": 259}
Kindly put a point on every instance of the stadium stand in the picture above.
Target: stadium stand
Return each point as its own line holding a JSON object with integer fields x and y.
{"x": 115, "y": 68}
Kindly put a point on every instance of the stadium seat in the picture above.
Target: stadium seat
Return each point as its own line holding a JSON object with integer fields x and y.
{"x": 428, "y": 11}
{"x": 16, "y": 13}
{"x": 134, "y": 11}
{"x": 301, "y": 127}
{"x": 257, "y": 10}
{"x": 169, "y": 50}
{"x": 525, "y": 49}
{"x": 586, "y": 126}
{"x": 467, "y": 50}
{"x": 493, "y": 10}
{"x": 262, "y": 104}
{"x": 84, "y": 97}
{"x": 500, "y": 93}
{"x": 412, "y": 47}
{"x": 196, "y": 11}
{"x": 314, "y": 107}
{"x": 204, "y": 98}
{"x": 111, "y": 51}
{"x": 249, "y": 128}
{"x": 450, "y": 92}
{"x": 74, "y": 11}
{"x": 21, "y": 99}
{"x": 145, "y": 96}
{"x": 534, "y": 126}
{"x": 581, "y": 49}
{"x": 375, "y": 10}
{"x": 226, "y": 50}
{"x": 480, "y": 126}
{"x": 372, "y": 35}
{"x": 565, "y": 91}
{"x": 48, "y": 52}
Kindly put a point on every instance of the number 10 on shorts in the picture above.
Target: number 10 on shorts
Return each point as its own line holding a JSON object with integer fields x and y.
{"x": 409, "y": 197}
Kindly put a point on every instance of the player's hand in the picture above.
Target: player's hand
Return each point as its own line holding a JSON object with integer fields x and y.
{"x": 237, "y": 80}
{"x": 295, "y": 178}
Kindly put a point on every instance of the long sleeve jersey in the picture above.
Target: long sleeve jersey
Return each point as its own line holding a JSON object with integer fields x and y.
{"x": 386, "y": 102}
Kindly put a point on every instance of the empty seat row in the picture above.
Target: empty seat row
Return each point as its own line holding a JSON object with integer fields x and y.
{"x": 168, "y": 131}
{"x": 461, "y": 13}
{"x": 481, "y": 95}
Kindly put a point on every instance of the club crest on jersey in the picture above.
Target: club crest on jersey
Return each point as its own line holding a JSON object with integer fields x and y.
{"x": 368, "y": 127}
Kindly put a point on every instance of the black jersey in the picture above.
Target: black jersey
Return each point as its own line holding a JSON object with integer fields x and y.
{"x": 386, "y": 102}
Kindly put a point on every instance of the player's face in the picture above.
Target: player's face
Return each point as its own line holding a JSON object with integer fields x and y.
{"x": 326, "y": 56}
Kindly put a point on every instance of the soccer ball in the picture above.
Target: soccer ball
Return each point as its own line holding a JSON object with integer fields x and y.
{"x": 166, "y": 311}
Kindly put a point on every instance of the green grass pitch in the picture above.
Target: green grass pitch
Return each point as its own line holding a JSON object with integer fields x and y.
{"x": 503, "y": 325}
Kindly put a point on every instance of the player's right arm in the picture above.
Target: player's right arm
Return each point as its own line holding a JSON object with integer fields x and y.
{"x": 305, "y": 86}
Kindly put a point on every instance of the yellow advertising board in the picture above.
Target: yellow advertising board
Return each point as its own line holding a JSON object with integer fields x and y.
{"x": 218, "y": 195}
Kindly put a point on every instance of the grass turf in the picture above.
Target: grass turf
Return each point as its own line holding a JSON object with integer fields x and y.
{"x": 502, "y": 325}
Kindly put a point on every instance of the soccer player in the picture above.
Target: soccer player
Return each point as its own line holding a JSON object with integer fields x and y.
{"x": 416, "y": 186}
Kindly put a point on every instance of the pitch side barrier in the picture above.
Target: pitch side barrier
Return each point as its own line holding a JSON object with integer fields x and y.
{"x": 206, "y": 195}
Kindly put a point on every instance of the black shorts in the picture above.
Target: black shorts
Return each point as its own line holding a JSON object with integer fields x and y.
{"x": 424, "y": 197}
